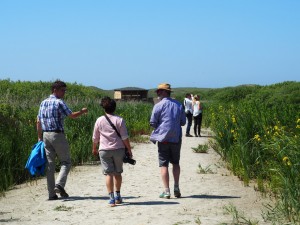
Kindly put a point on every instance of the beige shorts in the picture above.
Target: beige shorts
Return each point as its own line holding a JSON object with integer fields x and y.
{"x": 112, "y": 161}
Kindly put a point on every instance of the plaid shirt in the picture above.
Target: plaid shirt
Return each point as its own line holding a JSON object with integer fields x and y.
{"x": 52, "y": 113}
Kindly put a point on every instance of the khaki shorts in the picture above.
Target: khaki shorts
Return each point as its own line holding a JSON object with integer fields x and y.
{"x": 112, "y": 161}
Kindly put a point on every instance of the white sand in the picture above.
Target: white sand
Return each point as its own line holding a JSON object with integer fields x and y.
{"x": 203, "y": 195}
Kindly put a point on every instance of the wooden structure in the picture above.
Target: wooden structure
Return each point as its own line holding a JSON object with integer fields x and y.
{"x": 131, "y": 94}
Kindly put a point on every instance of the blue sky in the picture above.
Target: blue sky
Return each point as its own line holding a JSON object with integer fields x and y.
{"x": 125, "y": 43}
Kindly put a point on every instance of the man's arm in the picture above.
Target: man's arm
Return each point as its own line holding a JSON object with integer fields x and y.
{"x": 153, "y": 119}
{"x": 39, "y": 129}
{"x": 74, "y": 115}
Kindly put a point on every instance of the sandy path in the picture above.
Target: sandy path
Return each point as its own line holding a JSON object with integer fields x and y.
{"x": 203, "y": 195}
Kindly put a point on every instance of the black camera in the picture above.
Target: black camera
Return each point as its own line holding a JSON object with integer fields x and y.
{"x": 127, "y": 158}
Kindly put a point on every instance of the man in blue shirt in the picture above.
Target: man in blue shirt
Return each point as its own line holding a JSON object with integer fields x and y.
{"x": 50, "y": 127}
{"x": 167, "y": 118}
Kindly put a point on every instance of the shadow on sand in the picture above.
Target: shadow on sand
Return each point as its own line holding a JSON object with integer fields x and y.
{"x": 211, "y": 196}
{"x": 161, "y": 202}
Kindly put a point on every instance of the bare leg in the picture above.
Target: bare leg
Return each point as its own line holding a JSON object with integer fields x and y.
{"x": 109, "y": 183}
{"x": 176, "y": 174}
{"x": 165, "y": 176}
{"x": 118, "y": 182}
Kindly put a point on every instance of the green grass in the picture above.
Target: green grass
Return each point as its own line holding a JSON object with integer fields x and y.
{"x": 256, "y": 131}
{"x": 206, "y": 170}
{"x": 201, "y": 148}
{"x": 62, "y": 208}
{"x": 238, "y": 218}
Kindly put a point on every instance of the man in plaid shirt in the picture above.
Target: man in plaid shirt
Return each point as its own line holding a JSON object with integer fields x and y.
{"x": 50, "y": 127}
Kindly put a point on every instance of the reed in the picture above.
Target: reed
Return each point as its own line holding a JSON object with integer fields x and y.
{"x": 261, "y": 143}
{"x": 18, "y": 110}
{"x": 256, "y": 130}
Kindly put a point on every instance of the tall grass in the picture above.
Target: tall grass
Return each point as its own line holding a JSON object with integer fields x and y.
{"x": 262, "y": 142}
{"x": 19, "y": 104}
{"x": 17, "y": 130}
{"x": 256, "y": 131}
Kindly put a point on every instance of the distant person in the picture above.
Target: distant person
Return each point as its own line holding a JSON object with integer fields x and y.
{"x": 167, "y": 118}
{"x": 197, "y": 114}
{"x": 188, "y": 105}
{"x": 111, "y": 148}
{"x": 50, "y": 126}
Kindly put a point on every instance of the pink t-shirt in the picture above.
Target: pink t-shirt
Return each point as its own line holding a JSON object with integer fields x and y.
{"x": 106, "y": 135}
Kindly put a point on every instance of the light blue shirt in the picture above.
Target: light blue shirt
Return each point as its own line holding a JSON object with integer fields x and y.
{"x": 167, "y": 118}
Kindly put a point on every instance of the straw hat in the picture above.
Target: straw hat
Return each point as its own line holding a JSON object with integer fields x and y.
{"x": 164, "y": 86}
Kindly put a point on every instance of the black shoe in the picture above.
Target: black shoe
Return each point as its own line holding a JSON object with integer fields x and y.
{"x": 196, "y": 135}
{"x": 188, "y": 135}
{"x": 54, "y": 197}
{"x": 60, "y": 190}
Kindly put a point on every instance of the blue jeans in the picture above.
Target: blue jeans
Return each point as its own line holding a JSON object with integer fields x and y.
{"x": 189, "y": 117}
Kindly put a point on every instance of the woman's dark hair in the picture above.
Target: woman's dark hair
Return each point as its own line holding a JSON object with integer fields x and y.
{"x": 108, "y": 104}
{"x": 58, "y": 84}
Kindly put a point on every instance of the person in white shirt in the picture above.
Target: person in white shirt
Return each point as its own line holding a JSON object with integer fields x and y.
{"x": 188, "y": 105}
{"x": 197, "y": 114}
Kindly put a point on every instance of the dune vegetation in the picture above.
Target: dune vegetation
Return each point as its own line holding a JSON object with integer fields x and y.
{"x": 256, "y": 131}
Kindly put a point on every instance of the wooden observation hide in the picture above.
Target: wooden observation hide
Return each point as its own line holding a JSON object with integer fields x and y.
{"x": 131, "y": 94}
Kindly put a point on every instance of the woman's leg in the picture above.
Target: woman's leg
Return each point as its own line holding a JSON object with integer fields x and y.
{"x": 195, "y": 126}
{"x": 118, "y": 182}
{"x": 109, "y": 183}
{"x": 199, "y": 124}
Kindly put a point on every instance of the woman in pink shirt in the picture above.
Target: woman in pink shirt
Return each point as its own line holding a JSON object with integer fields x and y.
{"x": 111, "y": 148}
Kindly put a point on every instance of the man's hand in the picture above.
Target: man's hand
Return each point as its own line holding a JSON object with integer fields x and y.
{"x": 84, "y": 110}
{"x": 95, "y": 152}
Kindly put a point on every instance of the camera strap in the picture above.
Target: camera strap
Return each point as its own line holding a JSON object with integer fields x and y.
{"x": 113, "y": 126}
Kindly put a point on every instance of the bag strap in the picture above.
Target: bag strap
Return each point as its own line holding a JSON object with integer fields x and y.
{"x": 113, "y": 126}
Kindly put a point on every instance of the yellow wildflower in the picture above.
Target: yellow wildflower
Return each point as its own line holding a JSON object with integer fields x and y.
{"x": 235, "y": 136}
{"x": 233, "y": 119}
{"x": 286, "y": 161}
{"x": 257, "y": 137}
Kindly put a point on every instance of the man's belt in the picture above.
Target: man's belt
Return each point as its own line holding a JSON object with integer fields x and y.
{"x": 54, "y": 131}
